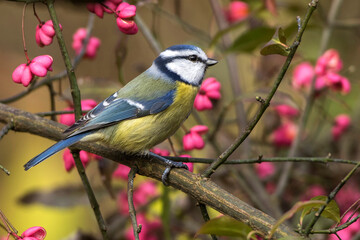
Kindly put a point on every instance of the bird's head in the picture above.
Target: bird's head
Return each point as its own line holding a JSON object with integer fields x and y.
{"x": 184, "y": 63}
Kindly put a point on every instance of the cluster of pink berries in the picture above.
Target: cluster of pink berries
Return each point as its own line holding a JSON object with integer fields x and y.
{"x": 325, "y": 73}
{"x": 124, "y": 12}
{"x": 45, "y": 32}
{"x": 326, "y": 76}
{"x": 341, "y": 125}
{"x": 78, "y": 42}
{"x": 39, "y": 66}
{"x": 193, "y": 139}
{"x": 209, "y": 90}
{"x": 33, "y": 233}
{"x": 284, "y": 135}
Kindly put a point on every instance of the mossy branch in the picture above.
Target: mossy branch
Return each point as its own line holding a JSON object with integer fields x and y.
{"x": 201, "y": 189}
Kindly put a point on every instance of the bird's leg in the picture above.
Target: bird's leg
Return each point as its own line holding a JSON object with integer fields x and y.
{"x": 169, "y": 165}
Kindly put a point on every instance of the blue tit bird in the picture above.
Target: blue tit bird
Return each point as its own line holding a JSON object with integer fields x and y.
{"x": 146, "y": 111}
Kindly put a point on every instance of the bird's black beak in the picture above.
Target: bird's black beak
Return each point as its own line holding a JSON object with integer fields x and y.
{"x": 210, "y": 62}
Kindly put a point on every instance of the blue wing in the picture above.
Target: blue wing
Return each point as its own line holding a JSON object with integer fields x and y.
{"x": 109, "y": 112}
{"x": 113, "y": 110}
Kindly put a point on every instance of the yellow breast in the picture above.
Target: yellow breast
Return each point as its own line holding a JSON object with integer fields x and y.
{"x": 136, "y": 135}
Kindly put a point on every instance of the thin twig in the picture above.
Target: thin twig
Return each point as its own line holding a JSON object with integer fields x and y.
{"x": 206, "y": 217}
{"x": 75, "y": 92}
{"x": 154, "y": 44}
{"x": 23, "y": 33}
{"x": 52, "y": 99}
{"x": 323, "y": 160}
{"x": 200, "y": 34}
{"x": 132, "y": 211}
{"x": 3, "y": 132}
{"x": 54, "y": 113}
{"x": 329, "y": 199}
{"x": 231, "y": 60}
{"x": 7, "y": 224}
{"x": 284, "y": 177}
{"x": 336, "y": 229}
{"x": 224, "y": 156}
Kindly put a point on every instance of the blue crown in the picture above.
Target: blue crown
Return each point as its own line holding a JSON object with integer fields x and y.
{"x": 182, "y": 47}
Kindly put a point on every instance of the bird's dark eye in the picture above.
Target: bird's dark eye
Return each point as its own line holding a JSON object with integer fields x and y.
{"x": 193, "y": 58}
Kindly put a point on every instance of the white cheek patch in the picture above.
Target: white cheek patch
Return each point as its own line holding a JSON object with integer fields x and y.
{"x": 189, "y": 71}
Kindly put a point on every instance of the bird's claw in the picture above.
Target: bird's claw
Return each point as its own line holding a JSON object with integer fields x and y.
{"x": 165, "y": 175}
{"x": 169, "y": 165}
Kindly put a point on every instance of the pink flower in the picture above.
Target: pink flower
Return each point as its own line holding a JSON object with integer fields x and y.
{"x": 337, "y": 82}
{"x": 69, "y": 160}
{"x": 265, "y": 169}
{"x": 39, "y": 66}
{"x": 210, "y": 89}
{"x": 189, "y": 164}
{"x": 34, "y": 233}
{"x": 92, "y": 46}
{"x": 69, "y": 119}
{"x": 349, "y": 232}
{"x": 286, "y": 111}
{"x": 96, "y": 8}
{"x": 193, "y": 139}
{"x": 142, "y": 194}
{"x": 151, "y": 230}
{"x": 329, "y": 62}
{"x": 22, "y": 74}
{"x": 122, "y": 172}
{"x": 313, "y": 191}
{"x": 125, "y": 18}
{"x": 320, "y": 83}
{"x": 237, "y": 11}
{"x": 45, "y": 33}
{"x": 303, "y": 75}
{"x": 284, "y": 135}
{"x": 99, "y": 9}
{"x": 341, "y": 124}
{"x": 160, "y": 152}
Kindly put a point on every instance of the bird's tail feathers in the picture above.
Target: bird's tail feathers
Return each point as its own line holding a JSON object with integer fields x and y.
{"x": 54, "y": 149}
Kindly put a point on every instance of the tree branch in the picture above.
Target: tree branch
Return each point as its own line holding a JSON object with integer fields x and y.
{"x": 202, "y": 189}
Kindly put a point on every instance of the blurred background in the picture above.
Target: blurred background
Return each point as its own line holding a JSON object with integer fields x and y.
{"x": 122, "y": 57}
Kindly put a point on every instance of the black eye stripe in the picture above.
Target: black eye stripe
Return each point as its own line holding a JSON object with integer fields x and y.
{"x": 170, "y": 59}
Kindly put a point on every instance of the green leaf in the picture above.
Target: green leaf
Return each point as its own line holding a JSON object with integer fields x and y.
{"x": 225, "y": 226}
{"x": 251, "y": 39}
{"x": 331, "y": 211}
{"x": 277, "y": 44}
